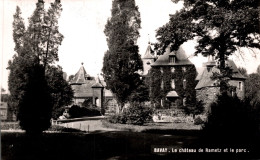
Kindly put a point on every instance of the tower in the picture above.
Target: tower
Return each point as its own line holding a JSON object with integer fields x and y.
{"x": 148, "y": 58}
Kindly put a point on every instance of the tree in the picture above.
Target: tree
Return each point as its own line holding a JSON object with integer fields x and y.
{"x": 36, "y": 48}
{"x": 35, "y": 107}
{"x": 71, "y": 77}
{"x": 140, "y": 94}
{"x": 219, "y": 26}
{"x": 258, "y": 70}
{"x": 122, "y": 61}
{"x": 15, "y": 83}
{"x": 231, "y": 120}
{"x": 43, "y": 37}
{"x": 61, "y": 91}
{"x": 252, "y": 88}
{"x": 18, "y": 30}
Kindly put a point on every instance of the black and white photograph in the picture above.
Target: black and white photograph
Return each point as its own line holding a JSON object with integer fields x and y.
{"x": 129, "y": 79}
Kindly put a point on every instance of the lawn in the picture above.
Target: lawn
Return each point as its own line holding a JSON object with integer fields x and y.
{"x": 151, "y": 126}
{"x": 127, "y": 142}
{"x": 104, "y": 145}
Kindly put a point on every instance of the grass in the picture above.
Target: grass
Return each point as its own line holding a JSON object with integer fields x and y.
{"x": 124, "y": 144}
{"x": 54, "y": 128}
{"x": 151, "y": 126}
{"x": 102, "y": 145}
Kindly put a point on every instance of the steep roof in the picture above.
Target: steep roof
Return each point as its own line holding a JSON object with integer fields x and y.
{"x": 98, "y": 83}
{"x": 236, "y": 72}
{"x": 205, "y": 78}
{"x": 181, "y": 58}
{"x": 149, "y": 53}
{"x": 85, "y": 90}
{"x": 80, "y": 76}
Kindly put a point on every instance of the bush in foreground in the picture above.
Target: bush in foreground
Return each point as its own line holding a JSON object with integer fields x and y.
{"x": 77, "y": 111}
{"x": 137, "y": 115}
{"x": 198, "y": 121}
{"x": 231, "y": 119}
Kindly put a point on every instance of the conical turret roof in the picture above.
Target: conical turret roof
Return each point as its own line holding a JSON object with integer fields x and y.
{"x": 80, "y": 76}
{"x": 149, "y": 54}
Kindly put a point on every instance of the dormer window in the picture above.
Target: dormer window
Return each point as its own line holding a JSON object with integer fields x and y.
{"x": 172, "y": 59}
{"x": 148, "y": 63}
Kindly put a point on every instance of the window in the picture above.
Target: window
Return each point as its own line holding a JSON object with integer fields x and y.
{"x": 172, "y": 59}
{"x": 184, "y": 83}
{"x": 173, "y": 84}
{"x": 232, "y": 93}
{"x": 240, "y": 86}
{"x": 172, "y": 69}
{"x": 184, "y": 101}
{"x": 148, "y": 63}
{"x": 162, "y": 84}
{"x": 161, "y": 69}
{"x": 184, "y": 69}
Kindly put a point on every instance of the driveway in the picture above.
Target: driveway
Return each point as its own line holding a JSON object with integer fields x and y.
{"x": 88, "y": 124}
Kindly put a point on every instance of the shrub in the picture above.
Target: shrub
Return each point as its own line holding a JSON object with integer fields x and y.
{"x": 230, "y": 119}
{"x": 198, "y": 121}
{"x": 56, "y": 113}
{"x": 10, "y": 125}
{"x": 77, "y": 111}
{"x": 118, "y": 118}
{"x": 136, "y": 115}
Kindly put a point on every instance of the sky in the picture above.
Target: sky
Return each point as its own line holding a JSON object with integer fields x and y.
{"x": 82, "y": 23}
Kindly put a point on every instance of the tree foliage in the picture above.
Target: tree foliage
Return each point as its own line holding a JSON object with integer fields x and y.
{"x": 36, "y": 49}
{"x": 258, "y": 70}
{"x": 252, "y": 90}
{"x": 122, "y": 61}
{"x": 35, "y": 107}
{"x": 230, "y": 120}
{"x": 219, "y": 26}
{"x": 42, "y": 36}
{"x": 61, "y": 92}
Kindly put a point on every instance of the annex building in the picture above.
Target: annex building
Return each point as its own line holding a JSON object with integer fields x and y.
{"x": 91, "y": 90}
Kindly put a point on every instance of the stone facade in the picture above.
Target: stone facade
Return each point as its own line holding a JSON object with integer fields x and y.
{"x": 207, "y": 95}
{"x": 239, "y": 84}
{"x": 207, "y": 88}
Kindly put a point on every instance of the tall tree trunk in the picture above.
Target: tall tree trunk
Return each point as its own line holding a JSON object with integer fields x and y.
{"x": 223, "y": 83}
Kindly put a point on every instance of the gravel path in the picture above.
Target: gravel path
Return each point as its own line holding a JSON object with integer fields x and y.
{"x": 87, "y": 125}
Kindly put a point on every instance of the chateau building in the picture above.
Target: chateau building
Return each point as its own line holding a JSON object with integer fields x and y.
{"x": 172, "y": 78}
